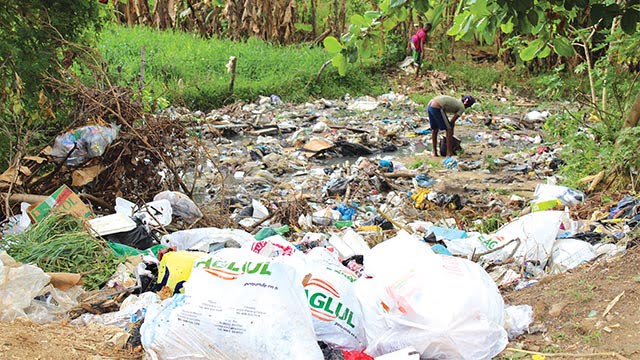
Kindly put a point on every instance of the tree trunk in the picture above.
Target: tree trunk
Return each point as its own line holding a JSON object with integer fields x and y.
{"x": 144, "y": 16}
{"x": 634, "y": 113}
{"x": 343, "y": 16}
{"x": 161, "y": 15}
{"x": 132, "y": 18}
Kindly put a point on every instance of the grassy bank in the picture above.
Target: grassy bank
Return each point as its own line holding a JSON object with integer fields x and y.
{"x": 200, "y": 64}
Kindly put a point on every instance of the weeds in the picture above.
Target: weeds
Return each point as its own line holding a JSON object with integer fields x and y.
{"x": 190, "y": 70}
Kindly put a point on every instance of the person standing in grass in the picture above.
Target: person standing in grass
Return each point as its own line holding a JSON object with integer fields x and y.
{"x": 437, "y": 110}
{"x": 416, "y": 44}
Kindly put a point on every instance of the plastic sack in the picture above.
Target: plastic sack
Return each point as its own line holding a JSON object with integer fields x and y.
{"x": 19, "y": 223}
{"x": 237, "y": 305}
{"x": 202, "y": 238}
{"x": 175, "y": 269}
{"x": 569, "y": 253}
{"x": 567, "y": 196}
{"x": 181, "y": 205}
{"x": 337, "y": 315}
{"x": 445, "y": 307}
{"x": 132, "y": 309}
{"x": 517, "y": 319}
{"x": 349, "y": 243}
{"x": 155, "y": 213}
{"x": 537, "y": 233}
{"x": 19, "y": 284}
{"x": 89, "y": 142}
{"x": 273, "y": 246}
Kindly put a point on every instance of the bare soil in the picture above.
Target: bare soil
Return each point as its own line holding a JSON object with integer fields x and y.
{"x": 22, "y": 339}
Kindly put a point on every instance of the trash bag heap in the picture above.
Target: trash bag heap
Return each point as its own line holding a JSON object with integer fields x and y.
{"x": 304, "y": 232}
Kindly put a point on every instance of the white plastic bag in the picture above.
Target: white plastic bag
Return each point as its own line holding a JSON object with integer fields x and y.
{"x": 19, "y": 284}
{"x": 537, "y": 233}
{"x": 569, "y": 253}
{"x": 181, "y": 205}
{"x": 349, "y": 243}
{"x": 517, "y": 319}
{"x": 201, "y": 238}
{"x": 273, "y": 246}
{"x": 132, "y": 309}
{"x": 445, "y": 307}
{"x": 336, "y": 311}
{"x": 567, "y": 196}
{"x": 237, "y": 305}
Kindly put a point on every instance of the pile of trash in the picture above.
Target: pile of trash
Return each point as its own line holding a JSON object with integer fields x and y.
{"x": 298, "y": 232}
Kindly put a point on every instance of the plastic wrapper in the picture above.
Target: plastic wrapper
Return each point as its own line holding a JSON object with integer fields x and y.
{"x": 83, "y": 143}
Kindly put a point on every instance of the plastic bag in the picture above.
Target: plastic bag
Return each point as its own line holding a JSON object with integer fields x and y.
{"x": 445, "y": 307}
{"x": 175, "y": 269}
{"x": 89, "y": 142}
{"x": 569, "y": 253}
{"x": 567, "y": 196}
{"x": 132, "y": 309}
{"x": 181, "y": 205}
{"x": 336, "y": 311}
{"x": 537, "y": 233}
{"x": 517, "y": 319}
{"x": 237, "y": 305}
{"x": 349, "y": 243}
{"x": 202, "y": 238}
{"x": 19, "y": 284}
{"x": 272, "y": 246}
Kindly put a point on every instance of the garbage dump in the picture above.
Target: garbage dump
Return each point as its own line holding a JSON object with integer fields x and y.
{"x": 313, "y": 231}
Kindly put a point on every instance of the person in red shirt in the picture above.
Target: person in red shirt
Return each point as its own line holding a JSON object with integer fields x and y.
{"x": 416, "y": 44}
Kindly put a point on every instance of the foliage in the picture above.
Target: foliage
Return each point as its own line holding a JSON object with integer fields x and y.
{"x": 31, "y": 33}
{"x": 58, "y": 243}
{"x": 185, "y": 68}
{"x": 32, "y": 47}
{"x": 593, "y": 146}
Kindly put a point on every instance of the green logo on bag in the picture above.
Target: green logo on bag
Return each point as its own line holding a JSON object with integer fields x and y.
{"x": 231, "y": 270}
{"x": 327, "y": 307}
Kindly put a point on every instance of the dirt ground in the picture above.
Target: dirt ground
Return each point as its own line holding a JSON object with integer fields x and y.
{"x": 22, "y": 339}
{"x": 569, "y": 309}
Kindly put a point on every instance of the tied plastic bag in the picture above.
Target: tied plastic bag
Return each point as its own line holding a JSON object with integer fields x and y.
{"x": 444, "y": 307}
{"x": 237, "y": 305}
{"x": 181, "y": 205}
{"x": 337, "y": 315}
{"x": 84, "y": 143}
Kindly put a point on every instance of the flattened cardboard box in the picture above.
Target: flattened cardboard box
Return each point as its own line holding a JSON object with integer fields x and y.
{"x": 62, "y": 200}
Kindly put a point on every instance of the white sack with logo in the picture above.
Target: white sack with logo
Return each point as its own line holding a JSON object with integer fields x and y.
{"x": 336, "y": 311}
{"x": 445, "y": 307}
{"x": 237, "y": 305}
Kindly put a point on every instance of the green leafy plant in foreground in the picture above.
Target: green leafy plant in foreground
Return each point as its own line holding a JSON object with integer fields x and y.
{"x": 58, "y": 243}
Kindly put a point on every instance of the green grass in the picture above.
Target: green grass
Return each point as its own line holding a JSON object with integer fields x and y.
{"x": 200, "y": 64}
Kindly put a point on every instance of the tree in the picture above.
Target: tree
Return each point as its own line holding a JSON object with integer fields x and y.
{"x": 30, "y": 33}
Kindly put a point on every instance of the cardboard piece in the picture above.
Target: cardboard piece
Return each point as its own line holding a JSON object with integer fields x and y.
{"x": 65, "y": 281}
{"x": 86, "y": 175}
{"x": 62, "y": 200}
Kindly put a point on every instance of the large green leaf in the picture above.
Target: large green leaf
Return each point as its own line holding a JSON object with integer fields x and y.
{"x": 389, "y": 24}
{"x": 458, "y": 23}
{"x": 629, "y": 21}
{"x": 532, "y": 50}
{"x": 546, "y": 51}
{"x": 372, "y": 15}
{"x": 332, "y": 45}
{"x": 359, "y": 20}
{"x": 479, "y": 8}
{"x": 532, "y": 16}
{"x": 340, "y": 62}
{"x": 396, "y": 3}
{"x": 421, "y": 5}
{"x": 507, "y": 27}
{"x": 562, "y": 47}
